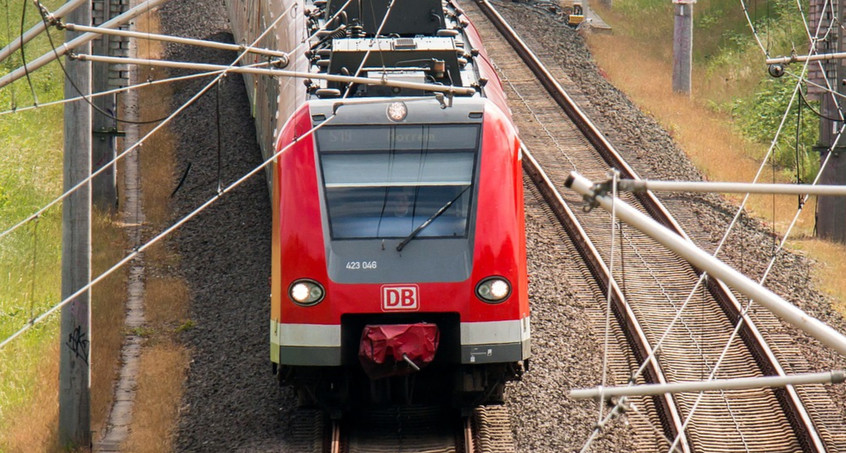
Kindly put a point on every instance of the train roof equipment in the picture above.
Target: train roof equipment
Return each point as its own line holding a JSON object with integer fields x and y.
{"x": 424, "y": 44}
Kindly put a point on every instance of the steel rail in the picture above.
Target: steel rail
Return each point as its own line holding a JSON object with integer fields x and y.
{"x": 788, "y": 399}
{"x": 468, "y": 436}
{"x": 635, "y": 334}
{"x": 335, "y": 437}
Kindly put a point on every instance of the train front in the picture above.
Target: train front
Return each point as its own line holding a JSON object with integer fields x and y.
{"x": 399, "y": 253}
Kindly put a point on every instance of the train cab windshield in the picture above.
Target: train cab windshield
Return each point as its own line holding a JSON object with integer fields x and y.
{"x": 386, "y": 181}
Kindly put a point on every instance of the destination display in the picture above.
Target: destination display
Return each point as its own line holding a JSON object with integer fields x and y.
{"x": 398, "y": 138}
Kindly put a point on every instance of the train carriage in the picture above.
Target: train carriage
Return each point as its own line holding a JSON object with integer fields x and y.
{"x": 399, "y": 265}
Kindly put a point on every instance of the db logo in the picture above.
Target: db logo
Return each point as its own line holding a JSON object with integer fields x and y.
{"x": 399, "y": 298}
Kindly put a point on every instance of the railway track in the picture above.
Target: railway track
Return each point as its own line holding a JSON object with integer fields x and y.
{"x": 418, "y": 429}
{"x": 655, "y": 283}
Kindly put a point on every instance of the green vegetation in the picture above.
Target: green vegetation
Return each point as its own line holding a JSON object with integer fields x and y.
{"x": 728, "y": 50}
{"x": 759, "y": 116}
{"x": 30, "y": 176}
{"x": 729, "y": 70}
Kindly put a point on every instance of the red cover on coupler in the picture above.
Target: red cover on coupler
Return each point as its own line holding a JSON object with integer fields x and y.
{"x": 382, "y": 348}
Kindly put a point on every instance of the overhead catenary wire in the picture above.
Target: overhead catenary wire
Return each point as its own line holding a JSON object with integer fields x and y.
{"x": 614, "y": 177}
{"x": 76, "y": 42}
{"x": 141, "y": 85}
{"x": 38, "y": 28}
{"x": 183, "y": 220}
{"x": 449, "y": 89}
{"x": 743, "y": 318}
{"x": 143, "y": 139}
{"x": 175, "y": 39}
{"x": 762, "y": 280}
{"x": 69, "y": 79}
{"x": 790, "y": 227}
{"x": 219, "y": 72}
{"x": 164, "y": 233}
{"x": 723, "y": 240}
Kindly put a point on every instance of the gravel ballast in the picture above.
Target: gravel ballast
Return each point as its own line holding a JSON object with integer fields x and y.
{"x": 233, "y": 403}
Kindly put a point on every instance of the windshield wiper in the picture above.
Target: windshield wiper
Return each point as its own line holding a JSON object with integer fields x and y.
{"x": 430, "y": 220}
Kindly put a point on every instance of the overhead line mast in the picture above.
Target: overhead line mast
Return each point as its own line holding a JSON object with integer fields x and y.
{"x": 75, "y": 357}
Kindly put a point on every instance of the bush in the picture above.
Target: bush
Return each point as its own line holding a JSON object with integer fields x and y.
{"x": 760, "y": 115}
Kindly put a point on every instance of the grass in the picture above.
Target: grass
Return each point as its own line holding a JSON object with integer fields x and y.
{"x": 29, "y": 257}
{"x": 30, "y": 167}
{"x": 701, "y": 124}
{"x": 30, "y": 272}
{"x": 158, "y": 397}
{"x": 706, "y": 135}
{"x": 164, "y": 361}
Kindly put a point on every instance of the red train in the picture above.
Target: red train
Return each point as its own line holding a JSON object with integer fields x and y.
{"x": 399, "y": 264}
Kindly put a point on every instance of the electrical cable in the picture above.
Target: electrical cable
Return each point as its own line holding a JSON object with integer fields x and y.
{"x": 143, "y": 139}
{"x": 148, "y": 83}
{"x": 164, "y": 233}
{"x": 23, "y": 56}
{"x": 9, "y": 38}
{"x": 109, "y": 115}
{"x": 814, "y": 111}
{"x": 664, "y": 336}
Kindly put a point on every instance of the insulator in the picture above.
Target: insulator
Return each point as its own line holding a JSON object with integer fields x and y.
{"x": 340, "y": 32}
{"x": 328, "y": 93}
{"x": 356, "y": 31}
{"x": 328, "y": 34}
{"x": 776, "y": 70}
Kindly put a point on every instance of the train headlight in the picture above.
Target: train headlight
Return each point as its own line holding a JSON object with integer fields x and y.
{"x": 397, "y": 111}
{"x": 493, "y": 290}
{"x": 306, "y": 292}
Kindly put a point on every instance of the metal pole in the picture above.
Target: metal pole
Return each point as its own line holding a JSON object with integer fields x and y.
{"x": 682, "y": 45}
{"x": 831, "y": 377}
{"x": 38, "y": 28}
{"x": 729, "y": 187}
{"x": 804, "y": 58}
{"x": 831, "y": 212}
{"x": 283, "y": 73}
{"x": 716, "y": 268}
{"x": 74, "y": 365}
{"x": 104, "y": 129}
{"x": 178, "y": 40}
{"x": 80, "y": 40}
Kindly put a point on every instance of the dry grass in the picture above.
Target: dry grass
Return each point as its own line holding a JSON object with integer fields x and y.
{"x": 157, "y": 157}
{"x": 34, "y": 426}
{"x": 158, "y": 396}
{"x": 166, "y": 300}
{"x": 705, "y": 135}
{"x": 831, "y": 259}
{"x": 108, "y": 302}
{"x": 164, "y": 362}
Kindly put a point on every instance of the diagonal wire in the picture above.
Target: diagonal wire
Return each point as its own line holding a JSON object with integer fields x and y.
{"x": 164, "y": 233}
{"x": 143, "y": 139}
{"x": 610, "y": 290}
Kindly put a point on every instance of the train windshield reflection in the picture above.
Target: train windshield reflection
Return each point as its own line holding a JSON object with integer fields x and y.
{"x": 385, "y": 181}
